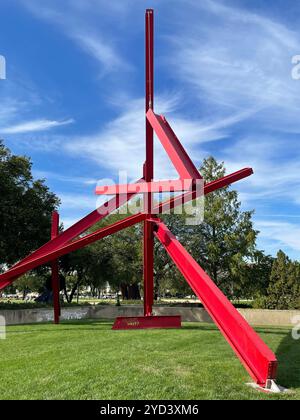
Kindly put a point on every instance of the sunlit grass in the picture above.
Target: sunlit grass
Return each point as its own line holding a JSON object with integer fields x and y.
{"x": 87, "y": 360}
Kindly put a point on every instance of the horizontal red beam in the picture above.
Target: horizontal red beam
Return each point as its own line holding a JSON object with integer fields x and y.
{"x": 145, "y": 187}
{"x": 173, "y": 147}
{"x": 255, "y": 355}
{"x": 73, "y": 246}
{"x": 208, "y": 188}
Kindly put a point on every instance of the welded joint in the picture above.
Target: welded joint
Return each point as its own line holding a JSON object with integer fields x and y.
{"x": 154, "y": 221}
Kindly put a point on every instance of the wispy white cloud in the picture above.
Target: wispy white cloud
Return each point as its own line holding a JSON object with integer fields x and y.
{"x": 276, "y": 165}
{"x": 238, "y": 60}
{"x": 78, "y": 201}
{"x": 76, "y": 21}
{"x": 36, "y": 125}
{"x": 54, "y": 176}
{"x": 99, "y": 49}
{"x": 120, "y": 145}
{"x": 9, "y": 109}
{"x": 284, "y": 234}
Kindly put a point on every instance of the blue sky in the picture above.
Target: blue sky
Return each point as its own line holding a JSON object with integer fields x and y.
{"x": 73, "y": 97}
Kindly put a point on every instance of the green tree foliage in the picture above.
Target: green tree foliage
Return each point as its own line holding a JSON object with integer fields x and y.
{"x": 250, "y": 279}
{"x": 30, "y": 283}
{"x": 283, "y": 291}
{"x": 84, "y": 267}
{"x": 124, "y": 255}
{"x": 25, "y": 208}
{"x": 225, "y": 243}
{"x": 167, "y": 277}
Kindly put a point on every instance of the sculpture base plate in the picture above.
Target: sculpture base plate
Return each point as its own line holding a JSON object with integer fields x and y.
{"x": 143, "y": 322}
{"x": 271, "y": 388}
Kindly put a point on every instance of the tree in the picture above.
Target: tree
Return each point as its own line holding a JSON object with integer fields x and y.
{"x": 84, "y": 267}
{"x": 251, "y": 278}
{"x": 284, "y": 288}
{"x": 167, "y": 278}
{"x": 29, "y": 283}
{"x": 126, "y": 264}
{"x": 226, "y": 240}
{"x": 25, "y": 208}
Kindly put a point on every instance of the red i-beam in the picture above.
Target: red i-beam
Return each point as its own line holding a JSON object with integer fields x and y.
{"x": 149, "y": 165}
{"x": 148, "y": 320}
{"x": 254, "y": 354}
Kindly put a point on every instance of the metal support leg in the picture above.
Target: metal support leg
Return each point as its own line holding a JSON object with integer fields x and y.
{"x": 148, "y": 168}
{"x": 55, "y": 271}
{"x": 148, "y": 267}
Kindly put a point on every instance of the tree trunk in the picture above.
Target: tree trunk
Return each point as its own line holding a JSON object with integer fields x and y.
{"x": 124, "y": 291}
{"x": 66, "y": 294}
{"x": 73, "y": 291}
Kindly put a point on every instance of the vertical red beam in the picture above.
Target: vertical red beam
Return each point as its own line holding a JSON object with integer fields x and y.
{"x": 149, "y": 166}
{"x": 55, "y": 272}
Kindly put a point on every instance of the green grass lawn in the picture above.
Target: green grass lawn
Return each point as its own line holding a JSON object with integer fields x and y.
{"x": 87, "y": 360}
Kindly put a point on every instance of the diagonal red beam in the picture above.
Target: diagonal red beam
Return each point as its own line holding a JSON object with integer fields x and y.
{"x": 8, "y": 277}
{"x": 175, "y": 185}
{"x": 79, "y": 227}
{"x": 255, "y": 355}
{"x": 208, "y": 188}
{"x": 173, "y": 147}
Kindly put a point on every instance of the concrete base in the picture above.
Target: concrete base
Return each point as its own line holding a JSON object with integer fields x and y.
{"x": 143, "y": 322}
{"x": 271, "y": 388}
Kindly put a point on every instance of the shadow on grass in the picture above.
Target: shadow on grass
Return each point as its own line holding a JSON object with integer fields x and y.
{"x": 109, "y": 323}
{"x": 98, "y": 325}
{"x": 271, "y": 331}
{"x": 288, "y": 354}
{"x": 200, "y": 327}
{"x": 40, "y": 327}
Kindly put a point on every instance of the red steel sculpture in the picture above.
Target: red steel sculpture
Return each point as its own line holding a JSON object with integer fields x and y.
{"x": 254, "y": 354}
